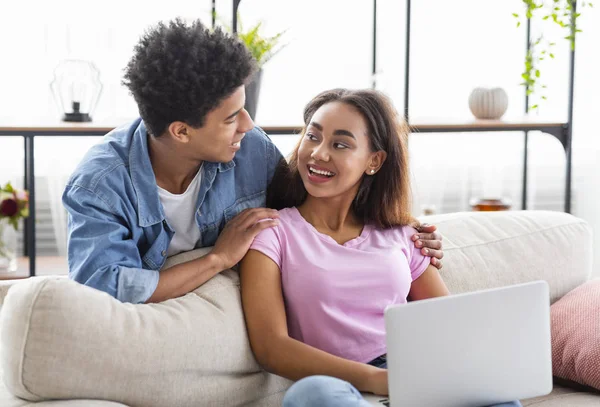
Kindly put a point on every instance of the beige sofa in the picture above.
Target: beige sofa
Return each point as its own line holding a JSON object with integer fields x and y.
{"x": 59, "y": 340}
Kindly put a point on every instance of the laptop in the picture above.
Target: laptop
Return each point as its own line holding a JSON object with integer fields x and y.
{"x": 469, "y": 350}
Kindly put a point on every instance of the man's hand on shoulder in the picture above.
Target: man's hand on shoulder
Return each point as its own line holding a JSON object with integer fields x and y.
{"x": 237, "y": 236}
{"x": 430, "y": 243}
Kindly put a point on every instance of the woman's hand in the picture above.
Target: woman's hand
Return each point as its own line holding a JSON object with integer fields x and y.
{"x": 430, "y": 243}
{"x": 376, "y": 382}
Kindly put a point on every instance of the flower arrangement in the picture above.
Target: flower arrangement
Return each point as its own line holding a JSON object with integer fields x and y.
{"x": 14, "y": 205}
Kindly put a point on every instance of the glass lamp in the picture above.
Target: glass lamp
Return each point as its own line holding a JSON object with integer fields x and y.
{"x": 76, "y": 88}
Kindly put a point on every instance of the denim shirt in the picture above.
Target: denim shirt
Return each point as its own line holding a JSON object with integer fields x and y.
{"x": 118, "y": 234}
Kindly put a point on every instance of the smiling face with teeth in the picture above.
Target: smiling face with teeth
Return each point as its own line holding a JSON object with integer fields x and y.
{"x": 352, "y": 159}
{"x": 335, "y": 152}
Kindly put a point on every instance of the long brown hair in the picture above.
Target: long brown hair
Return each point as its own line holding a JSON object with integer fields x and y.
{"x": 383, "y": 199}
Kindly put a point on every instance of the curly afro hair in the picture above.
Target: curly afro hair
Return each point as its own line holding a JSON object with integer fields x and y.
{"x": 180, "y": 72}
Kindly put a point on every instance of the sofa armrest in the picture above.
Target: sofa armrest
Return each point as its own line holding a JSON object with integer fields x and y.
{"x": 5, "y": 285}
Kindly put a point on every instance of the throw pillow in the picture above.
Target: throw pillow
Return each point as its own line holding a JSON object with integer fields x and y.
{"x": 575, "y": 320}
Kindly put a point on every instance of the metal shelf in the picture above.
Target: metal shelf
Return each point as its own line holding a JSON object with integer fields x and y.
{"x": 563, "y": 131}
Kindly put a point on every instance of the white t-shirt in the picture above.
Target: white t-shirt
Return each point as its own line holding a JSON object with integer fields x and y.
{"x": 180, "y": 211}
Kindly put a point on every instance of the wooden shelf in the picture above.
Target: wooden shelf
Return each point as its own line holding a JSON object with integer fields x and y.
{"x": 457, "y": 125}
{"x": 529, "y": 123}
{"x": 56, "y": 127}
{"x": 282, "y": 129}
{"x": 11, "y": 126}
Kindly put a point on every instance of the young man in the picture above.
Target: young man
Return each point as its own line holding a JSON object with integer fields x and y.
{"x": 192, "y": 172}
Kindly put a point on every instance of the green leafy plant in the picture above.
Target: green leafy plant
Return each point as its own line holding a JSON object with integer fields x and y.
{"x": 560, "y": 12}
{"x": 262, "y": 47}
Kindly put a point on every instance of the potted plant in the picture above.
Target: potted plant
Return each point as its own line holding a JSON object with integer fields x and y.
{"x": 262, "y": 48}
{"x": 14, "y": 206}
{"x": 564, "y": 13}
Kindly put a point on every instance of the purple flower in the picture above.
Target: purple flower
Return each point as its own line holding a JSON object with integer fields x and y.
{"x": 8, "y": 207}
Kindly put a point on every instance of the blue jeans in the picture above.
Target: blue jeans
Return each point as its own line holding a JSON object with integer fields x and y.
{"x": 326, "y": 391}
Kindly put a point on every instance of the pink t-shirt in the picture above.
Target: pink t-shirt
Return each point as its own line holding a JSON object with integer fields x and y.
{"x": 335, "y": 295}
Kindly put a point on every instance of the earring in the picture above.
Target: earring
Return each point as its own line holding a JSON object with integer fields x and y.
{"x": 372, "y": 171}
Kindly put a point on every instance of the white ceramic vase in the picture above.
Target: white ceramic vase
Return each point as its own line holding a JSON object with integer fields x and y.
{"x": 488, "y": 103}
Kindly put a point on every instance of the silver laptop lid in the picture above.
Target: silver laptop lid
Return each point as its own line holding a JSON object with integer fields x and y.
{"x": 472, "y": 349}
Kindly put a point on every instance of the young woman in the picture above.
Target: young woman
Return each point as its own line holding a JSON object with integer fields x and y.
{"x": 315, "y": 287}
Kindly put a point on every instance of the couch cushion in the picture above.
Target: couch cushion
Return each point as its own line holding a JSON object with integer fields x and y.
{"x": 59, "y": 339}
{"x": 492, "y": 249}
{"x": 576, "y": 335}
